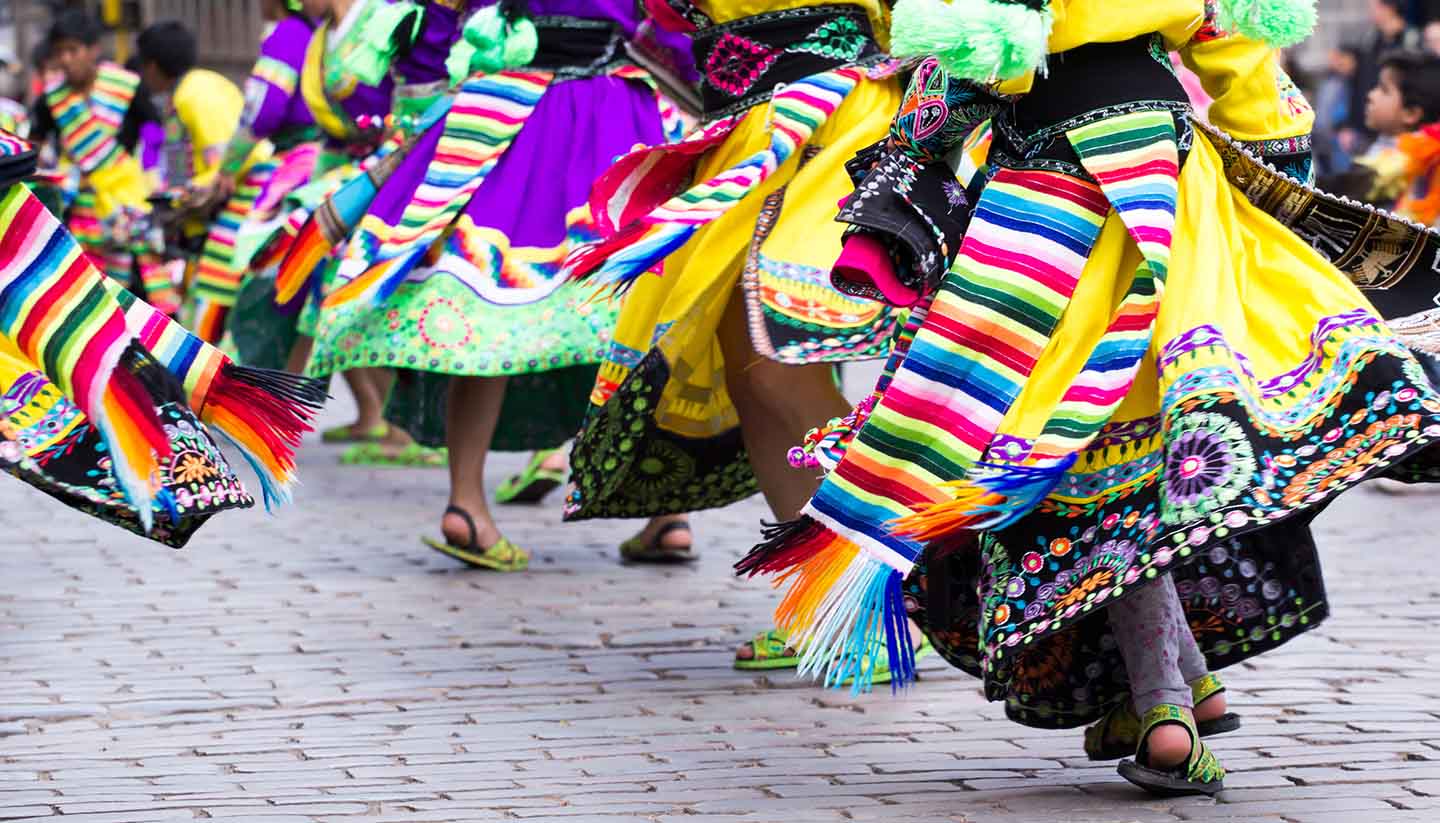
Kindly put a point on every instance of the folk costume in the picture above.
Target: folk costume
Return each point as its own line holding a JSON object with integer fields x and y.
{"x": 271, "y": 153}
{"x": 109, "y": 406}
{"x": 1132, "y": 386}
{"x": 791, "y": 91}
{"x": 98, "y": 133}
{"x": 351, "y": 116}
{"x": 201, "y": 114}
{"x": 455, "y": 269}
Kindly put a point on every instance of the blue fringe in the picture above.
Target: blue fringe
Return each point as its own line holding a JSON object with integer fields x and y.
{"x": 1022, "y": 486}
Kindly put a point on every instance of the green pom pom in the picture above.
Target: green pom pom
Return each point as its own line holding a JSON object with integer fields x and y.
{"x": 492, "y": 43}
{"x": 980, "y": 40}
{"x": 1278, "y": 23}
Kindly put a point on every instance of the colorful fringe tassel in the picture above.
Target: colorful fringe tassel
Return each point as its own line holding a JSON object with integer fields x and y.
{"x": 262, "y": 412}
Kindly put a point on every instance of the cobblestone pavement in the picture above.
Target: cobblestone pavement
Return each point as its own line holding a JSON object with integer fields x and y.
{"x": 322, "y": 666}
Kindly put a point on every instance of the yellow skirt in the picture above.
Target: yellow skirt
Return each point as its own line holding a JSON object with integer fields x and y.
{"x": 662, "y": 435}
{"x": 1270, "y": 385}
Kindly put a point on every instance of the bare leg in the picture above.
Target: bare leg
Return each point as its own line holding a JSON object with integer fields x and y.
{"x": 300, "y": 354}
{"x": 472, "y": 411}
{"x": 370, "y": 387}
{"x": 777, "y": 405}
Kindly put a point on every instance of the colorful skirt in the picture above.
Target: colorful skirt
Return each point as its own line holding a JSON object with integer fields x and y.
{"x": 237, "y": 232}
{"x": 662, "y": 435}
{"x": 48, "y": 443}
{"x": 1264, "y": 384}
{"x": 488, "y": 299}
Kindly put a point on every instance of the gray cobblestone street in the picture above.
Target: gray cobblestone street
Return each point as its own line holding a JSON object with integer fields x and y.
{"x": 323, "y": 666}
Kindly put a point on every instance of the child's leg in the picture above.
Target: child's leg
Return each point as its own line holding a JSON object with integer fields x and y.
{"x": 1150, "y": 629}
{"x": 1193, "y": 666}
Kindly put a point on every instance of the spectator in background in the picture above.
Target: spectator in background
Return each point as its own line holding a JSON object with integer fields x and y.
{"x": 1332, "y": 110}
{"x": 1403, "y": 109}
{"x": 1430, "y": 36}
{"x": 1391, "y": 33}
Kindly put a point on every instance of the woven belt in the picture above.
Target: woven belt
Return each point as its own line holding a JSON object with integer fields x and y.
{"x": 742, "y": 62}
{"x": 577, "y": 47}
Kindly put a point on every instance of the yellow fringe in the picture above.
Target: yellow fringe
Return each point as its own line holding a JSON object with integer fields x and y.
{"x": 811, "y": 581}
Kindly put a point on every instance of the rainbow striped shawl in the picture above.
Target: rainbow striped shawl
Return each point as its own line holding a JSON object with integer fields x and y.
{"x": 90, "y": 126}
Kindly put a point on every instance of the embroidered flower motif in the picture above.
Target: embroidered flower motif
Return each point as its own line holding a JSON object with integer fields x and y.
{"x": 1208, "y": 463}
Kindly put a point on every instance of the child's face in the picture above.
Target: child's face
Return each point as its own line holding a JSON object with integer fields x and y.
{"x": 1342, "y": 63}
{"x": 1385, "y": 109}
{"x": 76, "y": 59}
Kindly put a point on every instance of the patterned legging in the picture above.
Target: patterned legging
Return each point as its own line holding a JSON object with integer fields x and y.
{"x": 1159, "y": 650}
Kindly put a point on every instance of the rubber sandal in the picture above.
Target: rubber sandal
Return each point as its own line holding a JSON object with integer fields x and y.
{"x": 531, "y": 485}
{"x": 1200, "y": 773}
{"x": 412, "y": 455}
{"x": 348, "y": 434}
{"x": 1118, "y": 732}
{"x": 769, "y": 650}
{"x": 504, "y": 556}
{"x": 636, "y": 550}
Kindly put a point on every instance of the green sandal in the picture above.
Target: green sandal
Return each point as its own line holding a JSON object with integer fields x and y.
{"x": 772, "y": 651}
{"x": 348, "y": 434}
{"x": 1118, "y": 732}
{"x": 504, "y": 556}
{"x": 531, "y": 485}
{"x": 636, "y": 550}
{"x": 769, "y": 650}
{"x": 412, "y": 455}
{"x": 1201, "y": 773}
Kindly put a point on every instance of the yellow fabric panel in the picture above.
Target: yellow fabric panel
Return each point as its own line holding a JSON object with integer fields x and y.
{"x": 723, "y": 11}
{"x": 1232, "y": 266}
{"x": 209, "y": 107}
{"x": 1254, "y": 97}
{"x": 119, "y": 183}
{"x": 1078, "y": 22}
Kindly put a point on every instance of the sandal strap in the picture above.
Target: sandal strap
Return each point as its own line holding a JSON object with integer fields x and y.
{"x": 1204, "y": 688}
{"x": 1120, "y": 723}
{"x": 670, "y": 528}
{"x": 1201, "y": 765}
{"x": 474, "y": 540}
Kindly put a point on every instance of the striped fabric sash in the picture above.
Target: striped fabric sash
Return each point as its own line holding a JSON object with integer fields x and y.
{"x": 487, "y": 113}
{"x": 931, "y": 462}
{"x": 217, "y": 278}
{"x": 90, "y": 126}
{"x": 632, "y": 203}
{"x": 55, "y": 307}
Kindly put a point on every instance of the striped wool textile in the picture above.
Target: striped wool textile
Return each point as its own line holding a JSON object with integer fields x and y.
{"x": 217, "y": 280}
{"x": 487, "y": 113}
{"x": 55, "y": 307}
{"x": 931, "y": 461}
{"x": 89, "y": 126}
{"x": 633, "y": 204}
{"x": 263, "y": 413}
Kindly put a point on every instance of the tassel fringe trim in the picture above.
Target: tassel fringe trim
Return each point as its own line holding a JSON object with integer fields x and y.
{"x": 993, "y": 498}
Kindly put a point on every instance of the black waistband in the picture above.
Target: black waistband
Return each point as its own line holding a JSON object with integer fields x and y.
{"x": 742, "y": 62}
{"x": 576, "y": 46}
{"x": 1098, "y": 76}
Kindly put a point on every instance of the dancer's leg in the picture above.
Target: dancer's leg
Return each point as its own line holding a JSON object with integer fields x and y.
{"x": 471, "y": 413}
{"x": 1148, "y": 633}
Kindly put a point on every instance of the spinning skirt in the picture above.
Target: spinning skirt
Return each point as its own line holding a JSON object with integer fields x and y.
{"x": 48, "y": 443}
{"x": 1270, "y": 386}
{"x": 662, "y": 435}
{"x": 488, "y": 299}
